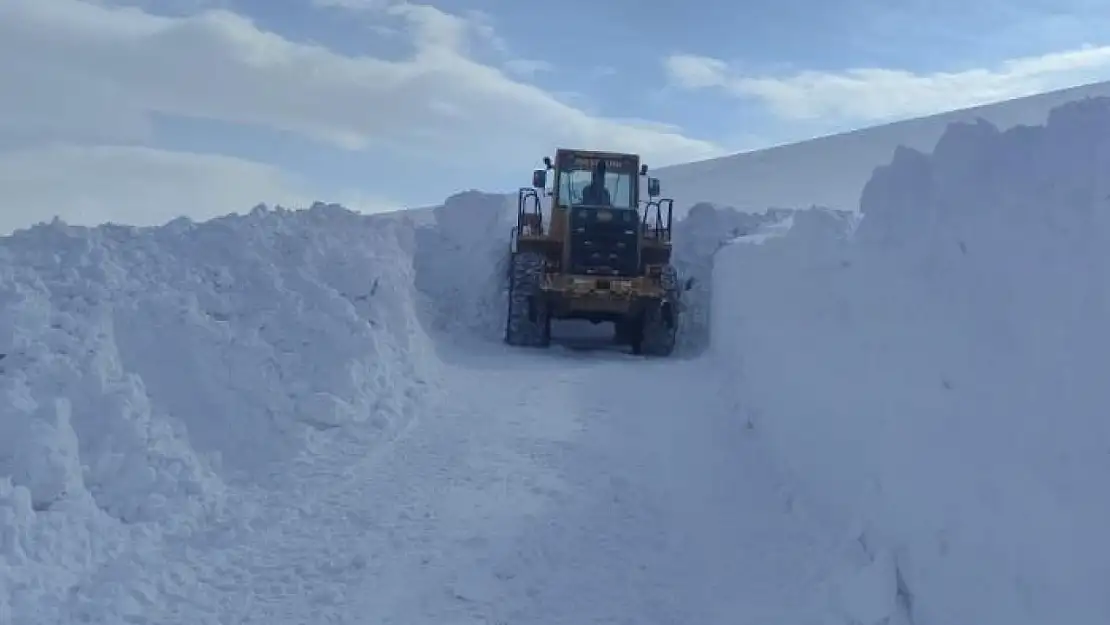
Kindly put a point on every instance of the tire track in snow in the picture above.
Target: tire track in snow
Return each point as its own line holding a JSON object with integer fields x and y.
{"x": 389, "y": 538}
{"x": 578, "y": 490}
{"x": 540, "y": 487}
{"x": 674, "y": 514}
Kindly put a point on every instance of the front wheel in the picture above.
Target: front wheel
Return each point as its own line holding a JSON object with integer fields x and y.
{"x": 529, "y": 320}
{"x": 658, "y": 331}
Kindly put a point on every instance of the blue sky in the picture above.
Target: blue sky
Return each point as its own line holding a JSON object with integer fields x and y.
{"x": 203, "y": 107}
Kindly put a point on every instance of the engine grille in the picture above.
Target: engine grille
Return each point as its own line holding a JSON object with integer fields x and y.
{"x": 604, "y": 242}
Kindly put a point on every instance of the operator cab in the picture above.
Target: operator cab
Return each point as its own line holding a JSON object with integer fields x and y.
{"x": 594, "y": 182}
{"x": 578, "y": 173}
{"x": 594, "y": 189}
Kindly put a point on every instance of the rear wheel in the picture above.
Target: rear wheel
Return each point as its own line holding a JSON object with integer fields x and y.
{"x": 529, "y": 320}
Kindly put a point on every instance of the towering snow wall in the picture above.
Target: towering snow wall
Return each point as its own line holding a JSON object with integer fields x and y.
{"x": 937, "y": 376}
{"x": 144, "y": 372}
{"x": 697, "y": 238}
{"x": 461, "y": 264}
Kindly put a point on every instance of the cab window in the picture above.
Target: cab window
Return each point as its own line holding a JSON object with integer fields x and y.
{"x": 573, "y": 182}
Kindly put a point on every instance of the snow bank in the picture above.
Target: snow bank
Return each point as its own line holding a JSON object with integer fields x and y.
{"x": 938, "y": 374}
{"x": 276, "y": 325}
{"x": 143, "y": 372}
{"x": 697, "y": 237}
{"x": 461, "y": 264}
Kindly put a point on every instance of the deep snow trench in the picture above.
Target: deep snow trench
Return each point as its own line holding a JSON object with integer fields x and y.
{"x": 304, "y": 417}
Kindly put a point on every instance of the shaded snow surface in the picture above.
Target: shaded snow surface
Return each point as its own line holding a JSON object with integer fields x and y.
{"x": 307, "y": 417}
{"x": 938, "y": 375}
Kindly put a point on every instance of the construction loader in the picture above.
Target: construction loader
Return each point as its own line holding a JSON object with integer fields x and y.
{"x": 599, "y": 253}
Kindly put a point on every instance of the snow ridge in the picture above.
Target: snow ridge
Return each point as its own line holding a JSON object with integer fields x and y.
{"x": 935, "y": 374}
{"x": 461, "y": 264}
{"x": 145, "y": 370}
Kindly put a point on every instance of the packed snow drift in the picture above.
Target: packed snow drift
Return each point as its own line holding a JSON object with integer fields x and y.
{"x": 144, "y": 370}
{"x": 937, "y": 374}
{"x": 294, "y": 416}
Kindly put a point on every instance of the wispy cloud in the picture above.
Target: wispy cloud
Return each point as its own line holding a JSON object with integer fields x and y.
{"x": 877, "y": 94}
{"x": 353, "y": 5}
{"x": 125, "y": 67}
{"x": 527, "y": 67}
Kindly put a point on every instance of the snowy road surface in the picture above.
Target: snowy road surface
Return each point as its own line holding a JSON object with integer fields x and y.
{"x": 543, "y": 487}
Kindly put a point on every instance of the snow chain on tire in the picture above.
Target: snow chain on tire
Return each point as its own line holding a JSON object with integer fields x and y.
{"x": 528, "y": 323}
{"x": 660, "y": 323}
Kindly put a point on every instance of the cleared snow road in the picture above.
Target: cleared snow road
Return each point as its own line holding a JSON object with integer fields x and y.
{"x": 670, "y": 513}
{"x": 554, "y": 487}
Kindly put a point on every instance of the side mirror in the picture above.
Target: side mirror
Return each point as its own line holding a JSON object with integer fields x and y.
{"x": 653, "y": 187}
{"x": 689, "y": 284}
{"x": 643, "y": 170}
{"x": 539, "y": 178}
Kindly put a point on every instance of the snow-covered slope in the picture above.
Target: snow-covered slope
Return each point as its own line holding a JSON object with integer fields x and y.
{"x": 938, "y": 374}
{"x": 832, "y": 171}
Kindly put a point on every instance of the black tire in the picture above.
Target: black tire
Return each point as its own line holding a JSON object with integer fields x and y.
{"x": 625, "y": 332}
{"x": 529, "y": 322}
{"x": 659, "y": 323}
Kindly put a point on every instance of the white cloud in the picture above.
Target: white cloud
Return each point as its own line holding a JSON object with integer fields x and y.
{"x": 133, "y": 185}
{"x": 527, "y": 67}
{"x": 695, "y": 72}
{"x": 96, "y": 73}
{"x": 352, "y": 5}
{"x": 874, "y": 95}
{"x": 219, "y": 65}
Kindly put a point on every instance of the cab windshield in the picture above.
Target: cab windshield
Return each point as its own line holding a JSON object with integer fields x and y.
{"x": 572, "y": 182}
